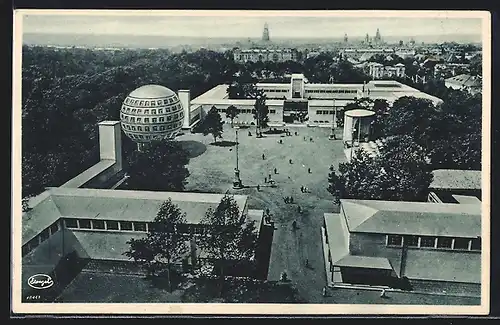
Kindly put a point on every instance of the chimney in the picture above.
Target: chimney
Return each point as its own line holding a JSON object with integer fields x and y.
{"x": 185, "y": 98}
{"x": 110, "y": 142}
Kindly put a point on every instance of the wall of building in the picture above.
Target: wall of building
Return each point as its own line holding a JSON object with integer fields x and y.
{"x": 455, "y": 288}
{"x": 275, "y": 113}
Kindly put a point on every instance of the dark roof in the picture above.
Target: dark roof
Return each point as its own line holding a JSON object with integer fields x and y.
{"x": 455, "y": 179}
{"x": 413, "y": 218}
{"x": 364, "y": 262}
{"x": 465, "y": 80}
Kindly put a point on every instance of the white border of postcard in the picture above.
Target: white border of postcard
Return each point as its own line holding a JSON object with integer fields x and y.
{"x": 290, "y": 309}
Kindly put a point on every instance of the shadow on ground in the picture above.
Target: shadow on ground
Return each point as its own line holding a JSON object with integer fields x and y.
{"x": 223, "y": 143}
{"x": 193, "y": 148}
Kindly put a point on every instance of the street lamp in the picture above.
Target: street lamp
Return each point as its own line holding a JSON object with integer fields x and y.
{"x": 334, "y": 121}
{"x": 257, "y": 109}
{"x": 237, "y": 181}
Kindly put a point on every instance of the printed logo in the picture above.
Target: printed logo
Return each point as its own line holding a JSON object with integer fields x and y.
{"x": 40, "y": 281}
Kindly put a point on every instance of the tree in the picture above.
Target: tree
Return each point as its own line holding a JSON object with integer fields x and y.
{"x": 163, "y": 245}
{"x": 401, "y": 172}
{"x": 261, "y": 110}
{"x": 230, "y": 238}
{"x": 416, "y": 117}
{"x": 231, "y": 113}
{"x": 212, "y": 124}
{"x": 161, "y": 166}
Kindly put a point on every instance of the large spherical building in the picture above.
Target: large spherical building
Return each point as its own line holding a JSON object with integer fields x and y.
{"x": 151, "y": 112}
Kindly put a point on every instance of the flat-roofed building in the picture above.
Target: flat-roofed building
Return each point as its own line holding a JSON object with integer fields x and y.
{"x": 66, "y": 227}
{"x": 413, "y": 245}
{"x": 299, "y": 101}
{"x": 455, "y": 186}
{"x": 472, "y": 84}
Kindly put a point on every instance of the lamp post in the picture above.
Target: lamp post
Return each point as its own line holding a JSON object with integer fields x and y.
{"x": 257, "y": 109}
{"x": 334, "y": 122}
{"x": 237, "y": 181}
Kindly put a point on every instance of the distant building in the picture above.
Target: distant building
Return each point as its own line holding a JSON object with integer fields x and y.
{"x": 357, "y": 53}
{"x": 263, "y": 55}
{"x": 418, "y": 246}
{"x": 472, "y": 84}
{"x": 379, "y": 71}
{"x": 265, "y": 33}
{"x": 299, "y": 101}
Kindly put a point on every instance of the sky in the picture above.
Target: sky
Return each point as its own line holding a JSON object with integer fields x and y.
{"x": 231, "y": 25}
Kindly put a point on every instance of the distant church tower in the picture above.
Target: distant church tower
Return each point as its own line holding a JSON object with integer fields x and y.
{"x": 265, "y": 34}
{"x": 367, "y": 38}
{"x": 345, "y": 38}
{"x": 378, "y": 38}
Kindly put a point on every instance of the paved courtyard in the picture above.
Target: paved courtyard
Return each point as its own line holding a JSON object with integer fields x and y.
{"x": 212, "y": 170}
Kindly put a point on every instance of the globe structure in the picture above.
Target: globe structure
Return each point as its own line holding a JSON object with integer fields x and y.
{"x": 151, "y": 113}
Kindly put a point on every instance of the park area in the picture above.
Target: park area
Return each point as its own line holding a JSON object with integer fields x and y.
{"x": 211, "y": 169}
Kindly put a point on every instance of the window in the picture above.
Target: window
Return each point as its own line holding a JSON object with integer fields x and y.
{"x": 169, "y": 118}
{"x": 139, "y": 226}
{"x": 140, "y": 136}
{"x": 167, "y": 110}
{"x": 176, "y": 116}
{"x": 139, "y": 120}
{"x": 319, "y": 112}
{"x": 44, "y": 235}
{"x": 34, "y": 243}
{"x": 84, "y": 224}
{"x": 146, "y": 111}
{"x": 146, "y": 103}
{"x": 411, "y": 241}
{"x": 132, "y": 119}
{"x": 141, "y": 103}
{"x": 112, "y": 225}
{"x": 133, "y": 128}
{"x": 170, "y": 100}
{"x": 158, "y": 102}
{"x": 155, "y": 128}
{"x": 134, "y": 110}
{"x": 162, "y": 128}
{"x": 139, "y": 128}
{"x": 476, "y": 244}
{"x": 153, "y": 111}
{"x": 155, "y": 120}
{"x": 394, "y": 240}
{"x": 71, "y": 223}
{"x": 54, "y": 227}
{"x": 461, "y": 243}
{"x": 153, "y": 103}
{"x": 98, "y": 224}
{"x": 427, "y": 241}
{"x": 160, "y": 111}
{"x": 444, "y": 242}
{"x": 126, "y": 225}
{"x": 146, "y": 128}
{"x": 162, "y": 119}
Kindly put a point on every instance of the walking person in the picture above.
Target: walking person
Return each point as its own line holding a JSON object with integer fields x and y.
{"x": 265, "y": 179}
{"x": 294, "y": 224}
{"x": 290, "y": 161}
{"x": 258, "y": 188}
{"x": 263, "y": 157}
{"x": 275, "y": 171}
{"x": 308, "y": 170}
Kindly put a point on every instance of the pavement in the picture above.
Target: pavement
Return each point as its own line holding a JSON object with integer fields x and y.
{"x": 213, "y": 171}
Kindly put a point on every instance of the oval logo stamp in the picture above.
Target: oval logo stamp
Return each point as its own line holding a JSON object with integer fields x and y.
{"x": 40, "y": 281}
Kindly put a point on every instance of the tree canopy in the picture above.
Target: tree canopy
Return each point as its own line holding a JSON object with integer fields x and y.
{"x": 232, "y": 113}
{"x": 261, "y": 110}
{"x": 212, "y": 124}
{"x": 400, "y": 173}
{"x": 163, "y": 245}
{"x": 231, "y": 238}
{"x": 160, "y": 166}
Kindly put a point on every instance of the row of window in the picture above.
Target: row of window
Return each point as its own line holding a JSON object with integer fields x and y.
{"x": 276, "y": 90}
{"x": 332, "y": 91}
{"x": 244, "y": 111}
{"x": 152, "y": 128}
{"x": 322, "y": 122}
{"x": 324, "y": 112}
{"x": 160, "y": 119}
{"x": 149, "y": 137}
{"x": 473, "y": 244}
{"x": 153, "y": 111}
{"x": 140, "y": 102}
{"x": 40, "y": 238}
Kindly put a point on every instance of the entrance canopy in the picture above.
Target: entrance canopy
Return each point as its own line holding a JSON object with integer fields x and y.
{"x": 359, "y": 112}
